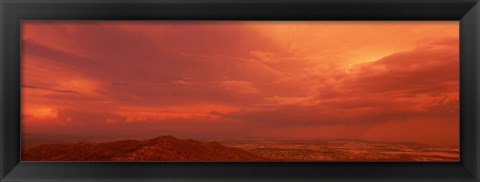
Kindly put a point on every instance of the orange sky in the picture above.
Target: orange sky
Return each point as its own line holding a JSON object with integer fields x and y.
{"x": 387, "y": 81}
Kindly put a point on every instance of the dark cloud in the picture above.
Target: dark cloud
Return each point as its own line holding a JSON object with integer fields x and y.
{"x": 421, "y": 83}
{"x": 49, "y": 89}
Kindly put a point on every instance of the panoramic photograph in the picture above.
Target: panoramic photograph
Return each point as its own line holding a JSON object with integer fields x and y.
{"x": 241, "y": 91}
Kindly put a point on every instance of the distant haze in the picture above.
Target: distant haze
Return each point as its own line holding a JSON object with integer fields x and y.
{"x": 384, "y": 81}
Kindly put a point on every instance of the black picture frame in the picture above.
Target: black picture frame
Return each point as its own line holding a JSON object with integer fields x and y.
{"x": 14, "y": 11}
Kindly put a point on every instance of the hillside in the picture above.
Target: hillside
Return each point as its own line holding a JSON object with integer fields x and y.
{"x": 165, "y": 148}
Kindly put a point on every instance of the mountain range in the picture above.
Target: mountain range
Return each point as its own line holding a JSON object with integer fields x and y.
{"x": 164, "y": 148}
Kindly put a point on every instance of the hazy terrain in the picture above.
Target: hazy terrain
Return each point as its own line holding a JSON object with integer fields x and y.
{"x": 346, "y": 150}
{"x": 168, "y": 148}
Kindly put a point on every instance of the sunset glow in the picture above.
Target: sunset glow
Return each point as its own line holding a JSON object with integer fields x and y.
{"x": 218, "y": 80}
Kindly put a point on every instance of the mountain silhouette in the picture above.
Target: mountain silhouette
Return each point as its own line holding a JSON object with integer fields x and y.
{"x": 164, "y": 148}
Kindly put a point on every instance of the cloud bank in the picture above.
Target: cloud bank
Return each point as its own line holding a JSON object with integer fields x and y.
{"x": 235, "y": 80}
